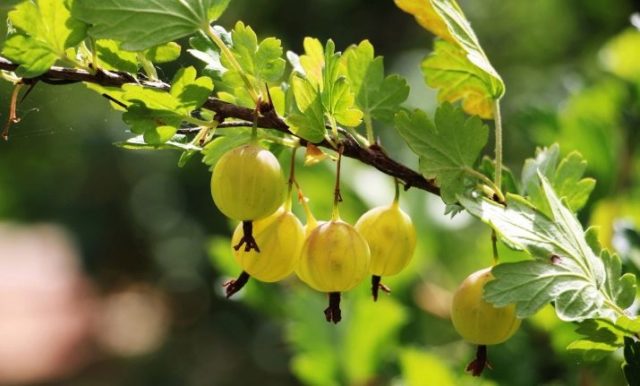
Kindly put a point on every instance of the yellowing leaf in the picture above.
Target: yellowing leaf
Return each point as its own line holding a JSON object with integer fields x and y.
{"x": 458, "y": 67}
{"x": 449, "y": 70}
{"x": 426, "y": 16}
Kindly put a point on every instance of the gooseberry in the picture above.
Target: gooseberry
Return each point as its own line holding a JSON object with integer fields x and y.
{"x": 334, "y": 259}
{"x": 478, "y": 321}
{"x": 247, "y": 184}
{"x": 392, "y": 241}
{"x": 280, "y": 237}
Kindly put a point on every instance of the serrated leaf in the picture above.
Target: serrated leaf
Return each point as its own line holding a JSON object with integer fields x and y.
{"x": 308, "y": 121}
{"x": 261, "y": 61}
{"x": 34, "y": 58}
{"x": 45, "y": 29}
{"x": 157, "y": 126}
{"x": 164, "y": 53}
{"x": 458, "y": 67}
{"x": 376, "y": 96}
{"x": 320, "y": 73}
{"x": 566, "y": 270}
{"x": 447, "y": 149}
{"x": 426, "y": 16}
{"x": 112, "y": 57}
{"x": 601, "y": 337}
{"x": 157, "y": 113}
{"x": 621, "y": 288}
{"x": 203, "y": 49}
{"x": 142, "y": 24}
{"x": 458, "y": 79}
{"x": 530, "y": 285}
{"x": 565, "y": 176}
{"x": 189, "y": 90}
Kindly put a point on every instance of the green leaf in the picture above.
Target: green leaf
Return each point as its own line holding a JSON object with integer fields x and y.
{"x": 449, "y": 70}
{"x": 324, "y": 80}
{"x": 156, "y": 113}
{"x": 447, "y": 149}
{"x": 566, "y": 270}
{"x": 203, "y": 49}
{"x": 631, "y": 365}
{"x": 533, "y": 284}
{"x": 45, "y": 29}
{"x": 602, "y": 336}
{"x": 564, "y": 175}
{"x": 143, "y": 24}
{"x": 177, "y": 142}
{"x": 621, "y": 288}
{"x": 426, "y": 16}
{"x": 190, "y": 92}
{"x": 376, "y": 96}
{"x": 35, "y": 58}
{"x": 216, "y": 9}
{"x": 458, "y": 66}
{"x": 164, "y": 53}
{"x": 263, "y": 61}
{"x": 157, "y": 125}
{"x": 308, "y": 121}
{"x": 461, "y": 30}
{"x": 112, "y": 57}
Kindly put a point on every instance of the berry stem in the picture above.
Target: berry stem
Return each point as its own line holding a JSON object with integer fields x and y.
{"x": 480, "y": 362}
{"x": 233, "y": 286}
{"x": 333, "y": 313}
{"x": 292, "y": 179}
{"x": 337, "y": 197}
{"x": 247, "y": 238}
{"x": 396, "y": 197}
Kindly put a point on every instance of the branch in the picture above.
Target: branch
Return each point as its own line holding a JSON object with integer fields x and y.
{"x": 373, "y": 156}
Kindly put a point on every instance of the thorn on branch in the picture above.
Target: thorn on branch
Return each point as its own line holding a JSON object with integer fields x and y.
{"x": 114, "y": 100}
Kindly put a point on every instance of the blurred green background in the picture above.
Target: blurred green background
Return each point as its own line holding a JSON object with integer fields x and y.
{"x": 154, "y": 251}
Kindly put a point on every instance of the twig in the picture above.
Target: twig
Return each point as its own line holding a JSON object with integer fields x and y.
{"x": 372, "y": 156}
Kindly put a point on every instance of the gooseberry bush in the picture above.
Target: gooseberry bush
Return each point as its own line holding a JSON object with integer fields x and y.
{"x": 250, "y": 100}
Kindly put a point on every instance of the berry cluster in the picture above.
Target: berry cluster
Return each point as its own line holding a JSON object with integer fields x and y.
{"x": 333, "y": 256}
{"x": 271, "y": 243}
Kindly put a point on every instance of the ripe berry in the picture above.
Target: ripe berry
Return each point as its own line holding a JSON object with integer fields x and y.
{"x": 335, "y": 258}
{"x": 478, "y": 321}
{"x": 392, "y": 241}
{"x": 247, "y": 184}
{"x": 280, "y": 237}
